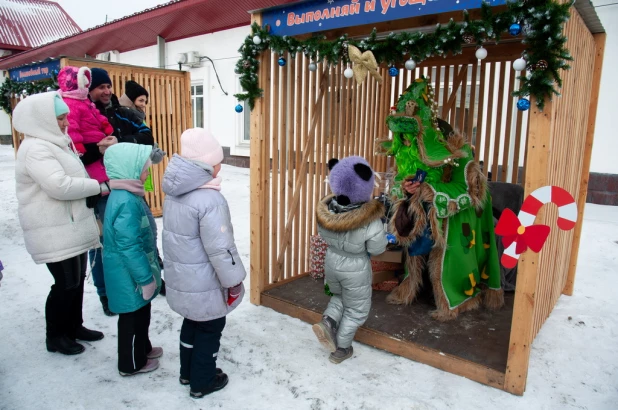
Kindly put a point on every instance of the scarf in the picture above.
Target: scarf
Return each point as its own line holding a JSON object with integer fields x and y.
{"x": 214, "y": 184}
{"x": 335, "y": 208}
{"x": 79, "y": 94}
{"x": 125, "y": 101}
{"x": 134, "y": 186}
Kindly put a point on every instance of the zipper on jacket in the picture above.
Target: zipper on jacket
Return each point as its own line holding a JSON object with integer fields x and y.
{"x": 233, "y": 262}
{"x": 70, "y": 211}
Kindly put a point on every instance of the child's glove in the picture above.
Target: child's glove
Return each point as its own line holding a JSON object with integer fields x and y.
{"x": 149, "y": 289}
{"x": 233, "y": 293}
{"x": 81, "y": 149}
{"x": 92, "y": 201}
{"x": 391, "y": 238}
{"x": 157, "y": 154}
{"x": 107, "y": 128}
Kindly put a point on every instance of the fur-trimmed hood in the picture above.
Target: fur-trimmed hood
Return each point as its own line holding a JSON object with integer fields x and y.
{"x": 351, "y": 220}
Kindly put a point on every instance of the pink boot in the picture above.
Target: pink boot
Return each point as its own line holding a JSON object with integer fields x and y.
{"x": 155, "y": 353}
{"x": 151, "y": 365}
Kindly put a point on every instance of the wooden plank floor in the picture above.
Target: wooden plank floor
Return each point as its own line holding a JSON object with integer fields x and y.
{"x": 481, "y": 336}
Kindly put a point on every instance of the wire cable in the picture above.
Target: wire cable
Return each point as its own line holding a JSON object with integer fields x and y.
{"x": 217, "y": 74}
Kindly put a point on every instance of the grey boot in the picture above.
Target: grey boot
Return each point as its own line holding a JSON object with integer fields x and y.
{"x": 326, "y": 332}
{"x": 341, "y": 354}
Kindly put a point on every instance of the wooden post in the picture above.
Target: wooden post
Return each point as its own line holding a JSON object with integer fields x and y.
{"x": 257, "y": 263}
{"x": 599, "y": 40}
{"x": 538, "y": 143}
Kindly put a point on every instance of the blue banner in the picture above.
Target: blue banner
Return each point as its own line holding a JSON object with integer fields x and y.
{"x": 35, "y": 72}
{"x": 320, "y": 15}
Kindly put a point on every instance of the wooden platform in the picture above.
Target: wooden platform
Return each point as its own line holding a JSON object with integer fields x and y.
{"x": 474, "y": 346}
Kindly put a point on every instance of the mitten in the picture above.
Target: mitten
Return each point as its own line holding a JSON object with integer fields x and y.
{"x": 157, "y": 154}
{"x": 149, "y": 289}
{"x": 80, "y": 148}
{"x": 91, "y": 201}
{"x": 107, "y": 128}
{"x": 233, "y": 293}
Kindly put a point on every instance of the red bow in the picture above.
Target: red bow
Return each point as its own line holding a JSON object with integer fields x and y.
{"x": 510, "y": 228}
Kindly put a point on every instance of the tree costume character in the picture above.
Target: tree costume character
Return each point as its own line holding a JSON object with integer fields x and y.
{"x": 452, "y": 209}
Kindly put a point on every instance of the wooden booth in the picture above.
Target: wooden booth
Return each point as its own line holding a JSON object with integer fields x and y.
{"x": 168, "y": 111}
{"x": 305, "y": 117}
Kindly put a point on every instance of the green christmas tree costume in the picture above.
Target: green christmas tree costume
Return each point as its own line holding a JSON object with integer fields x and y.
{"x": 453, "y": 202}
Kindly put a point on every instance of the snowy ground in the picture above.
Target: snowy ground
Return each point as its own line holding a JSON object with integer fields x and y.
{"x": 273, "y": 360}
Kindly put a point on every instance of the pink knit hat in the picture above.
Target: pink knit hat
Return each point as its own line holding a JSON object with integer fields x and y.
{"x": 198, "y": 144}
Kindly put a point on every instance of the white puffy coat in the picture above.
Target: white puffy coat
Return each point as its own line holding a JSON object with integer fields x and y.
{"x": 52, "y": 185}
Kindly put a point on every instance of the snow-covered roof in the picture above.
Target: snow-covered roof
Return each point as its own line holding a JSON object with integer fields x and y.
{"x": 26, "y": 24}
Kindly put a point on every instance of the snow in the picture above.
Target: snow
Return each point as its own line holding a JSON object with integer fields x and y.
{"x": 273, "y": 360}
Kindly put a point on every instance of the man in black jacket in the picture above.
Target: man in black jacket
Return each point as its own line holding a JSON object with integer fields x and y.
{"x": 129, "y": 128}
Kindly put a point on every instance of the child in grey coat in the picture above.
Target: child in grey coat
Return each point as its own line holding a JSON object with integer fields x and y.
{"x": 350, "y": 222}
{"x": 203, "y": 269}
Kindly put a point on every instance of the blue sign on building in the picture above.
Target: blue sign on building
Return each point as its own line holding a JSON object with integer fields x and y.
{"x": 320, "y": 15}
{"x": 35, "y": 72}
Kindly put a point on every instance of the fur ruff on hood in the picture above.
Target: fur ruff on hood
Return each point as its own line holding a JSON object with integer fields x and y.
{"x": 348, "y": 221}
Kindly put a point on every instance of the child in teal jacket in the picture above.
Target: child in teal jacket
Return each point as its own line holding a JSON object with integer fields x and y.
{"x": 132, "y": 273}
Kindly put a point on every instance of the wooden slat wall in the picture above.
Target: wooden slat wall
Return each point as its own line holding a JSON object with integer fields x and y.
{"x": 349, "y": 118}
{"x": 557, "y": 153}
{"x": 168, "y": 112}
{"x": 566, "y": 156}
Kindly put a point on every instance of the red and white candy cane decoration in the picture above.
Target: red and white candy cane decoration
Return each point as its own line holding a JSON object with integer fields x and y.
{"x": 518, "y": 232}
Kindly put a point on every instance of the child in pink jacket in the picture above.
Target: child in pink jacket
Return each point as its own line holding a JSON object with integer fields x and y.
{"x": 86, "y": 124}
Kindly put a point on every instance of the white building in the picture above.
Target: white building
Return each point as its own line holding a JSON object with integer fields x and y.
{"x": 212, "y": 108}
{"x": 605, "y": 148}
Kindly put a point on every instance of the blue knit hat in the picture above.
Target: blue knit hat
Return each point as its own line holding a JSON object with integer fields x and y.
{"x": 99, "y": 76}
{"x": 60, "y": 106}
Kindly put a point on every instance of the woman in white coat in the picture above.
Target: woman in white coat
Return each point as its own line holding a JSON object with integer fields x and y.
{"x": 53, "y": 189}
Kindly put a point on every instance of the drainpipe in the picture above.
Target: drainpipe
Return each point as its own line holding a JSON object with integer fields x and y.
{"x": 161, "y": 51}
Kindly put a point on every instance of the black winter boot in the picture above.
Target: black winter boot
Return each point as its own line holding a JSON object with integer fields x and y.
{"x": 62, "y": 344}
{"x": 105, "y": 305}
{"x": 88, "y": 335}
{"x": 220, "y": 382}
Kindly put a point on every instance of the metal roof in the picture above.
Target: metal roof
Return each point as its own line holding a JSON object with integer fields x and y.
{"x": 26, "y": 24}
{"x": 589, "y": 15}
{"x": 175, "y": 20}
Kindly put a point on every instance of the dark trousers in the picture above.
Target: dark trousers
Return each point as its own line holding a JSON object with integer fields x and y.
{"x": 133, "y": 341}
{"x": 199, "y": 347}
{"x": 96, "y": 255}
{"x": 63, "y": 310}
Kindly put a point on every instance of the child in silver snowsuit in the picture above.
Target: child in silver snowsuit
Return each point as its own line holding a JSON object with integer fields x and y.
{"x": 350, "y": 222}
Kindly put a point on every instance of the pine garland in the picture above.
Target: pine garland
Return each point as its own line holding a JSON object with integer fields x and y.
{"x": 541, "y": 20}
{"x": 12, "y": 88}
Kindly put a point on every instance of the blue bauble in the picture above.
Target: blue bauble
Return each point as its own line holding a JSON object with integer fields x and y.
{"x": 238, "y": 108}
{"x": 515, "y": 29}
{"x": 282, "y": 62}
{"x": 523, "y": 104}
{"x": 393, "y": 71}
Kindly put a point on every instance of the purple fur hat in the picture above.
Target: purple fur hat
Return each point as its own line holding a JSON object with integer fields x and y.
{"x": 351, "y": 180}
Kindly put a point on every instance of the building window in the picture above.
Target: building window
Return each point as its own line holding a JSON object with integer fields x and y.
{"x": 197, "y": 104}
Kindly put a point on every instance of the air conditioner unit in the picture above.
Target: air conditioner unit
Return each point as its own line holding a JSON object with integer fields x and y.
{"x": 104, "y": 56}
{"x": 193, "y": 58}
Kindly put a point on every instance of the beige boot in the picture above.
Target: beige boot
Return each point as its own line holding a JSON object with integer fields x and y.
{"x": 326, "y": 333}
